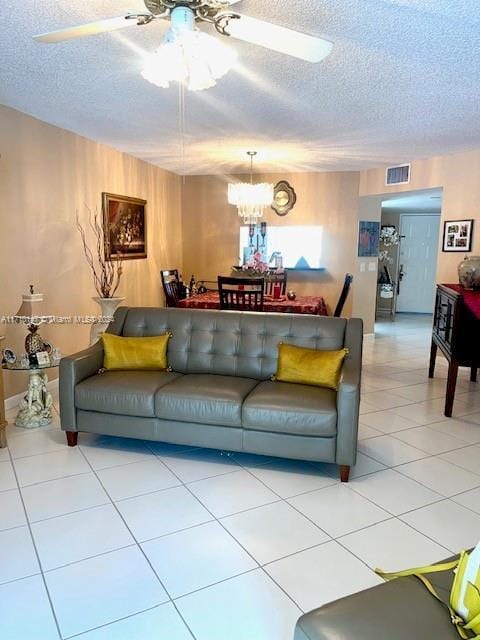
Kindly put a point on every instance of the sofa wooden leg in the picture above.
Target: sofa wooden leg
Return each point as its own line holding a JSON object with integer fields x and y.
{"x": 72, "y": 438}
{"x": 344, "y": 472}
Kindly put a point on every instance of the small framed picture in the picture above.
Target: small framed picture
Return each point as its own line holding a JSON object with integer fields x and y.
{"x": 368, "y": 238}
{"x": 43, "y": 358}
{"x": 9, "y": 356}
{"x": 457, "y": 235}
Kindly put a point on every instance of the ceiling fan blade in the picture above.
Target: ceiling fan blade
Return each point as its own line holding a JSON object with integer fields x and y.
{"x": 89, "y": 29}
{"x": 271, "y": 36}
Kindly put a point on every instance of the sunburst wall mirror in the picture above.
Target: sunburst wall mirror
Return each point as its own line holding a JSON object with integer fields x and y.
{"x": 284, "y": 198}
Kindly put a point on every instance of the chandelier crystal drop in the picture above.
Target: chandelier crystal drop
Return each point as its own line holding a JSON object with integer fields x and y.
{"x": 188, "y": 55}
{"x": 250, "y": 199}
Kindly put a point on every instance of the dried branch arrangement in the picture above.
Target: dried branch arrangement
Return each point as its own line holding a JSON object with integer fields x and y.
{"x": 106, "y": 273}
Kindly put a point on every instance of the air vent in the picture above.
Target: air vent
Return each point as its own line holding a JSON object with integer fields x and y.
{"x": 398, "y": 175}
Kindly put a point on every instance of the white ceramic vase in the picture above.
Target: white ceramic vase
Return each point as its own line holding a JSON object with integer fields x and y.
{"x": 108, "y": 307}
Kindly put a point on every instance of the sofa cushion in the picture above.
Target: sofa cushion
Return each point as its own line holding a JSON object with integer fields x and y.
{"x": 291, "y": 408}
{"x": 204, "y": 398}
{"x": 402, "y": 609}
{"x": 130, "y": 393}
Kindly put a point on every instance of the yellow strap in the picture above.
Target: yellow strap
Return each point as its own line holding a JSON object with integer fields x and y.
{"x": 432, "y": 568}
{"x": 473, "y": 622}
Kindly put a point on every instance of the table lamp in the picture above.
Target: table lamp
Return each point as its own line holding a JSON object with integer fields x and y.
{"x": 32, "y": 313}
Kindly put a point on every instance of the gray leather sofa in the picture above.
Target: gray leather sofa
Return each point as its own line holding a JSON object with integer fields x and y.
{"x": 402, "y": 609}
{"x": 219, "y": 393}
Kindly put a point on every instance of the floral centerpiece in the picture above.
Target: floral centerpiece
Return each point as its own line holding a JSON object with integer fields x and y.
{"x": 389, "y": 236}
{"x": 255, "y": 266}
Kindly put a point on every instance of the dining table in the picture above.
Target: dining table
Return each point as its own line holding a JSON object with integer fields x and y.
{"x": 312, "y": 305}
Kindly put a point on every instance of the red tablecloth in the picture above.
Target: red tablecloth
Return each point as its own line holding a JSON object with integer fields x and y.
{"x": 313, "y": 305}
{"x": 471, "y": 299}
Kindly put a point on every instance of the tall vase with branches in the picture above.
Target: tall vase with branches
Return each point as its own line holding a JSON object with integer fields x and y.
{"x": 106, "y": 273}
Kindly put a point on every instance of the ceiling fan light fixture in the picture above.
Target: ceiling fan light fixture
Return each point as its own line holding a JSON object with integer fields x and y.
{"x": 188, "y": 55}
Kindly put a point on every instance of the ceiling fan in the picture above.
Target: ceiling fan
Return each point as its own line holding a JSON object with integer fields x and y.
{"x": 215, "y": 12}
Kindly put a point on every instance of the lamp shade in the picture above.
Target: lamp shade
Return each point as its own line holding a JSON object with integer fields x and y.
{"x": 32, "y": 310}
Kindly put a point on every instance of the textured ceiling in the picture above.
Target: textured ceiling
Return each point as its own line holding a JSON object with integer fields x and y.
{"x": 403, "y": 82}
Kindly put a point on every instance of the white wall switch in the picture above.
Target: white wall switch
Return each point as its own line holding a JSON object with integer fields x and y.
{"x": 372, "y": 266}
{"x": 362, "y": 267}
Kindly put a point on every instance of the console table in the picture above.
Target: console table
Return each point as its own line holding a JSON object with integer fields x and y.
{"x": 456, "y": 323}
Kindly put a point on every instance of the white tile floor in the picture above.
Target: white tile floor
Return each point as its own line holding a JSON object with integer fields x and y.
{"x": 120, "y": 539}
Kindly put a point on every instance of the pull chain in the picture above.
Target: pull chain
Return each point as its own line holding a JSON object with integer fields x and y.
{"x": 181, "y": 127}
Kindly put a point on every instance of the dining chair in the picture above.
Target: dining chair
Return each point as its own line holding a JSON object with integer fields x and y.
{"x": 168, "y": 275}
{"x": 171, "y": 286}
{"x": 343, "y": 295}
{"x": 241, "y": 294}
{"x": 272, "y": 278}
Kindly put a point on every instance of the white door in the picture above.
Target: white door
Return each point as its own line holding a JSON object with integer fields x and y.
{"x": 418, "y": 262}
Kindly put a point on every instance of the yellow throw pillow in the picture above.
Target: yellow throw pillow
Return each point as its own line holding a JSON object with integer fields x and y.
{"x": 145, "y": 354}
{"x": 309, "y": 366}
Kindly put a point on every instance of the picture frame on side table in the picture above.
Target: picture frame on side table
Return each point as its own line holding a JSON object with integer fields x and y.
{"x": 457, "y": 235}
{"x": 125, "y": 227}
{"x": 43, "y": 359}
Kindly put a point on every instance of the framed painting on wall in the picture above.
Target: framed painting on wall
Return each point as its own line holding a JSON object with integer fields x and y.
{"x": 368, "y": 238}
{"x": 457, "y": 235}
{"x": 125, "y": 227}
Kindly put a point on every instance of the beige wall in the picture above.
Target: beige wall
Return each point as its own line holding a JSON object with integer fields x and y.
{"x": 211, "y": 227}
{"x": 46, "y": 174}
{"x": 459, "y": 175}
{"x": 366, "y": 269}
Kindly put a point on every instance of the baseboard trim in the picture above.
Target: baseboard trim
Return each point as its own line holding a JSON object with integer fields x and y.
{"x": 14, "y": 401}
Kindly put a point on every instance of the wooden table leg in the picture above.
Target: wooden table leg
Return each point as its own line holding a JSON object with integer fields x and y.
{"x": 451, "y": 384}
{"x": 473, "y": 374}
{"x": 433, "y": 356}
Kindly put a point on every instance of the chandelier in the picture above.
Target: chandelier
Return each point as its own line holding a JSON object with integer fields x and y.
{"x": 188, "y": 55}
{"x": 250, "y": 199}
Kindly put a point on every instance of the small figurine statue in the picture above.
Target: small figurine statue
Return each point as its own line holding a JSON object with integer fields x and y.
{"x": 36, "y": 406}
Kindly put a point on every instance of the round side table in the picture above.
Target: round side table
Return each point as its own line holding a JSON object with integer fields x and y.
{"x": 36, "y": 406}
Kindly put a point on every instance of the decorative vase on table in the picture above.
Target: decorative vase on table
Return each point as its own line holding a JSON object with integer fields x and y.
{"x": 108, "y": 307}
{"x": 469, "y": 272}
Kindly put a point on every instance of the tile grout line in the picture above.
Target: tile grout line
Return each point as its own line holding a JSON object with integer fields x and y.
{"x": 36, "y": 551}
{"x": 331, "y": 539}
{"x": 141, "y": 551}
{"x": 259, "y": 567}
{"x": 286, "y": 500}
{"x": 108, "y": 624}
